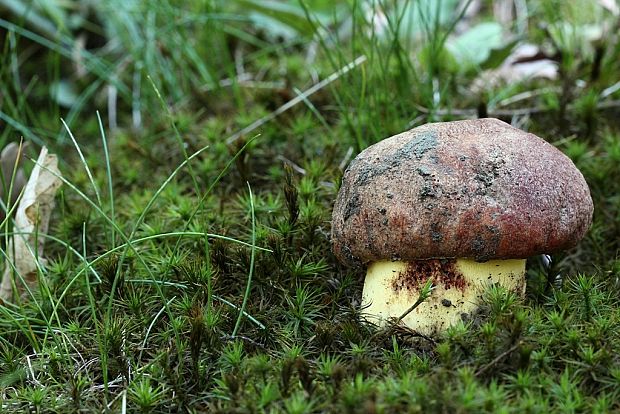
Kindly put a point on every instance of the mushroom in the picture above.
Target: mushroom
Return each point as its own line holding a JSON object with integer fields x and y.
{"x": 463, "y": 203}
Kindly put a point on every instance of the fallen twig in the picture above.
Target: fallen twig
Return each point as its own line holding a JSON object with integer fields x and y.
{"x": 498, "y": 358}
{"x": 299, "y": 98}
{"x": 498, "y": 113}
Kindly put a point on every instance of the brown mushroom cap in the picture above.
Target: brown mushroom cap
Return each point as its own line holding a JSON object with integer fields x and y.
{"x": 476, "y": 189}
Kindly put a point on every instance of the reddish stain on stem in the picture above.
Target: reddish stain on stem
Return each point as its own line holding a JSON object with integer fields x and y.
{"x": 441, "y": 271}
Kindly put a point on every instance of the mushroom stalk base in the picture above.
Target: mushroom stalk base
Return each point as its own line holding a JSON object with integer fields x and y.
{"x": 391, "y": 287}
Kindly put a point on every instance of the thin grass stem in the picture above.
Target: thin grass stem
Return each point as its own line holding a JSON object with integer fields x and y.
{"x": 248, "y": 286}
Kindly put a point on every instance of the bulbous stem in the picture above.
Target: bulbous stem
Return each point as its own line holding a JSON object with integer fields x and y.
{"x": 391, "y": 287}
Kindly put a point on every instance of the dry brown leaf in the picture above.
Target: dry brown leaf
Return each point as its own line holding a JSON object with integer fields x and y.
{"x": 25, "y": 248}
{"x": 611, "y": 5}
{"x": 525, "y": 62}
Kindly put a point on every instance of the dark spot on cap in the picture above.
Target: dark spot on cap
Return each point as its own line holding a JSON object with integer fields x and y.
{"x": 427, "y": 190}
{"x": 423, "y": 171}
{"x": 353, "y": 207}
{"x": 421, "y": 144}
{"x": 436, "y": 235}
{"x": 414, "y": 149}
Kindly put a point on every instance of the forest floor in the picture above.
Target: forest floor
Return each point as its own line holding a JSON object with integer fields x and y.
{"x": 188, "y": 260}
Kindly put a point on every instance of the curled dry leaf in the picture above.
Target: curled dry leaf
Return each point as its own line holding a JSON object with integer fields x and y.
{"x": 611, "y": 6}
{"x": 25, "y": 248}
{"x": 525, "y": 62}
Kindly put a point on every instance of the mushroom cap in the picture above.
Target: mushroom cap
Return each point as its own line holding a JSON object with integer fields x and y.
{"x": 478, "y": 189}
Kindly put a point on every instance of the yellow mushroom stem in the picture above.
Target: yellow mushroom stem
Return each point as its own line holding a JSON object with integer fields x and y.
{"x": 391, "y": 287}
